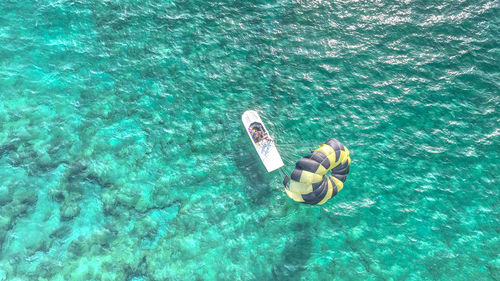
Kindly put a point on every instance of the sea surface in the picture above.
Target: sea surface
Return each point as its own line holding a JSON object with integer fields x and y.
{"x": 123, "y": 156}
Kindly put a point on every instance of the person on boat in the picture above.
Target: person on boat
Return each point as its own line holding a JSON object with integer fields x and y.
{"x": 253, "y": 132}
{"x": 258, "y": 136}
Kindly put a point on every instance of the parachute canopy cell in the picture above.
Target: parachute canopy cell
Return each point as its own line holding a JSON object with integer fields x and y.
{"x": 310, "y": 182}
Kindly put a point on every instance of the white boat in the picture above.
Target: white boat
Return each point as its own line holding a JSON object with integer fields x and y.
{"x": 262, "y": 141}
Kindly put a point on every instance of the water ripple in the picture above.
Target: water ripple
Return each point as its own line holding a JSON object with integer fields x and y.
{"x": 122, "y": 154}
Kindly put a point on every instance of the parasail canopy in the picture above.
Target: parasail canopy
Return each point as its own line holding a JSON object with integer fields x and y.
{"x": 310, "y": 182}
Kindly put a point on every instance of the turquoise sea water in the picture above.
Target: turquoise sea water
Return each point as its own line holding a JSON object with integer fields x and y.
{"x": 122, "y": 154}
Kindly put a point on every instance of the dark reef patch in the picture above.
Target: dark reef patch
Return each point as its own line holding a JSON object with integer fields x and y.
{"x": 296, "y": 254}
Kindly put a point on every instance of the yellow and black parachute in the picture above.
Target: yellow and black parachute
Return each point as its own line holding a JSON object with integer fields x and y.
{"x": 309, "y": 182}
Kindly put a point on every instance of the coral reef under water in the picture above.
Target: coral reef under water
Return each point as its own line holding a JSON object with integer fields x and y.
{"x": 122, "y": 154}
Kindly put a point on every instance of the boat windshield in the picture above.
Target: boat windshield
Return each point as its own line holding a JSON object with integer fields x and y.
{"x": 257, "y": 132}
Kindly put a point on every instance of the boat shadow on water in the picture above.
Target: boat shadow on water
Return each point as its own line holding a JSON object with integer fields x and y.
{"x": 258, "y": 181}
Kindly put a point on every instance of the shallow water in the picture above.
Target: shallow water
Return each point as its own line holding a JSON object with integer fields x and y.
{"x": 122, "y": 154}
